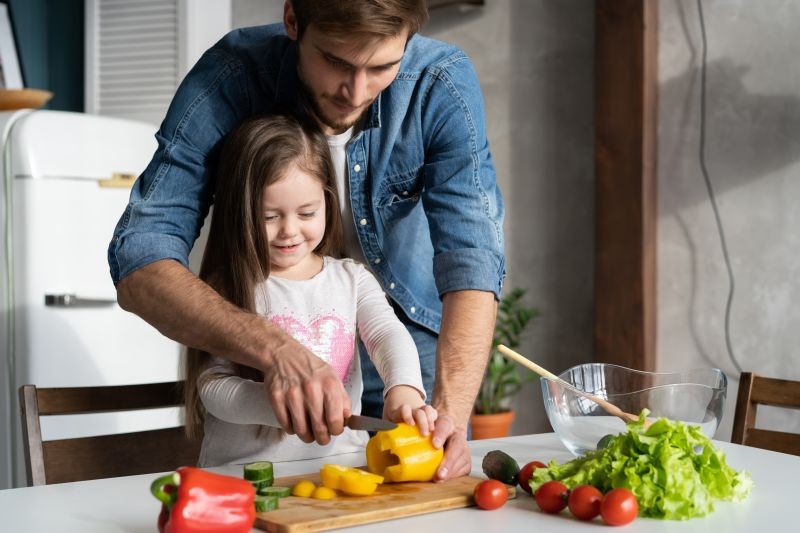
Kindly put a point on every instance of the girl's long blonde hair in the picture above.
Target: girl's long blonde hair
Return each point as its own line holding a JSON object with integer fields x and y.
{"x": 236, "y": 259}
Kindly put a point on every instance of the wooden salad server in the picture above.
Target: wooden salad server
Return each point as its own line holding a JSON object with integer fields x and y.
{"x": 609, "y": 407}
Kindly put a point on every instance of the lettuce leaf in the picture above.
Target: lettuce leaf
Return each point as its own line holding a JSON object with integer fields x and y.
{"x": 674, "y": 470}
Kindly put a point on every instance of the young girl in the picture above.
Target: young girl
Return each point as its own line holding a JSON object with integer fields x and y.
{"x": 275, "y": 232}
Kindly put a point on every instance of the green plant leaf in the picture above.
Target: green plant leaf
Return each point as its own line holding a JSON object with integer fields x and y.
{"x": 502, "y": 379}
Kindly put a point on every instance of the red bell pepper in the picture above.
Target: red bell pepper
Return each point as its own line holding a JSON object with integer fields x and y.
{"x": 196, "y": 500}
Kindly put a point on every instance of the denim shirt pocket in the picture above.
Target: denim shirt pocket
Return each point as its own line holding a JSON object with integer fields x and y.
{"x": 398, "y": 196}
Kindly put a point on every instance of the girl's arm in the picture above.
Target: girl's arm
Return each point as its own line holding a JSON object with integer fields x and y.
{"x": 234, "y": 399}
{"x": 394, "y": 354}
{"x": 387, "y": 340}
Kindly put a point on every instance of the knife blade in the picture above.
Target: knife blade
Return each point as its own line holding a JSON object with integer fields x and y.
{"x": 368, "y": 423}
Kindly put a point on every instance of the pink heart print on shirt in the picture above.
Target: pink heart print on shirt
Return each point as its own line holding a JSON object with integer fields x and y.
{"x": 325, "y": 335}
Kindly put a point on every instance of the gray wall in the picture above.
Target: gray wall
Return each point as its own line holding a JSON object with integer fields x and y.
{"x": 534, "y": 60}
{"x": 255, "y": 12}
{"x": 752, "y": 153}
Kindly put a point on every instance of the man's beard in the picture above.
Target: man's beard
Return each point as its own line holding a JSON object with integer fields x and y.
{"x": 314, "y": 108}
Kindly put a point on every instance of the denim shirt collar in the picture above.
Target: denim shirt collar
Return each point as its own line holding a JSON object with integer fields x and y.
{"x": 288, "y": 88}
{"x": 374, "y": 118}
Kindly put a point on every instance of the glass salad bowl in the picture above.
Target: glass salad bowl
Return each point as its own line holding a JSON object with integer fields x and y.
{"x": 696, "y": 397}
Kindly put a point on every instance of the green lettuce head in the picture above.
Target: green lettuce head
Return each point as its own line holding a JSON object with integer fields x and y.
{"x": 674, "y": 470}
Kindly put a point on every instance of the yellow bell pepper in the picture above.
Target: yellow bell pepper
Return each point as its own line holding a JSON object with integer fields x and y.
{"x": 349, "y": 480}
{"x": 402, "y": 454}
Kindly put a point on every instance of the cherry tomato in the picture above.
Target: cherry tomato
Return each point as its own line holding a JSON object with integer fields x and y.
{"x": 619, "y": 507}
{"x": 490, "y": 494}
{"x": 551, "y": 497}
{"x": 584, "y": 502}
{"x": 526, "y": 474}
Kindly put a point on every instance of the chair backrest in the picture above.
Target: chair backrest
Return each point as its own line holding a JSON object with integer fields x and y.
{"x": 755, "y": 390}
{"x": 77, "y": 459}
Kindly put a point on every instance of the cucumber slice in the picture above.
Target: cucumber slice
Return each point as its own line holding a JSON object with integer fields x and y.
{"x": 280, "y": 492}
{"x": 265, "y": 503}
{"x": 258, "y": 471}
{"x": 261, "y": 485}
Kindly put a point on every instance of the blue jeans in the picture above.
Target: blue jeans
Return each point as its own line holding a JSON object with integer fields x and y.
{"x": 425, "y": 339}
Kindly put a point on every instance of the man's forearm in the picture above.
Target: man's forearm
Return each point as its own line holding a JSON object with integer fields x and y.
{"x": 306, "y": 395}
{"x": 465, "y": 340}
{"x": 184, "y": 308}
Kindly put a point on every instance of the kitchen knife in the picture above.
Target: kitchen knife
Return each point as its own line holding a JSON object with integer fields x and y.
{"x": 368, "y": 423}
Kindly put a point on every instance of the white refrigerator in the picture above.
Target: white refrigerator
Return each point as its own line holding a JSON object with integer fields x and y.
{"x": 60, "y": 324}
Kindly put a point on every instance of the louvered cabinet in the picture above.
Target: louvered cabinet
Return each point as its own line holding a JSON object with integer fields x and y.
{"x": 137, "y": 52}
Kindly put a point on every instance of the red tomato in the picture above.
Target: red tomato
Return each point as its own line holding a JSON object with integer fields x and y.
{"x": 551, "y": 497}
{"x": 584, "y": 502}
{"x": 490, "y": 494}
{"x": 526, "y": 474}
{"x": 619, "y": 507}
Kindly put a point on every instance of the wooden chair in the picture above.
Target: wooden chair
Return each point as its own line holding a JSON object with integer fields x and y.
{"x": 755, "y": 390}
{"x": 64, "y": 460}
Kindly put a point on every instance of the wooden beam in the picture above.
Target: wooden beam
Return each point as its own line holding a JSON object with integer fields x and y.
{"x": 626, "y": 74}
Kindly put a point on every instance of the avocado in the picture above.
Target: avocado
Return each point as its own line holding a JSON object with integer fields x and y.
{"x": 605, "y": 441}
{"x": 499, "y": 465}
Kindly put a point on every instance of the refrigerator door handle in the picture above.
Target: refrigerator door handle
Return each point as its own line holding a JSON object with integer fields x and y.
{"x": 73, "y": 300}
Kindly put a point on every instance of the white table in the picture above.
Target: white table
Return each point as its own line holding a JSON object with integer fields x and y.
{"x": 125, "y": 504}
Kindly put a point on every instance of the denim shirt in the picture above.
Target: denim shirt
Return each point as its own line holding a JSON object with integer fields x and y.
{"x": 423, "y": 190}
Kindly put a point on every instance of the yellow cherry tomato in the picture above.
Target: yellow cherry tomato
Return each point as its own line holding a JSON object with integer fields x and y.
{"x": 323, "y": 493}
{"x": 303, "y": 488}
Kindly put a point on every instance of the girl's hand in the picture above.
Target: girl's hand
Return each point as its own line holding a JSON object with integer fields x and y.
{"x": 404, "y": 404}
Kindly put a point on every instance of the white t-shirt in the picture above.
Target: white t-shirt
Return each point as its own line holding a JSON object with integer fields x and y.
{"x": 337, "y": 145}
{"x": 326, "y": 314}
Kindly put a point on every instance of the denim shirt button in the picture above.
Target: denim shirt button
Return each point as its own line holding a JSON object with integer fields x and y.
{"x": 357, "y": 167}
{"x": 405, "y": 193}
{"x": 377, "y": 261}
{"x": 391, "y": 285}
{"x": 363, "y": 221}
{"x": 413, "y": 309}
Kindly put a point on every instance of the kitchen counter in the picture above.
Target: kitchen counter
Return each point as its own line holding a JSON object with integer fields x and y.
{"x": 125, "y": 505}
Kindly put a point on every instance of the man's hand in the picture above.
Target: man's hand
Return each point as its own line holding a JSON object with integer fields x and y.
{"x": 307, "y": 396}
{"x": 457, "y": 460}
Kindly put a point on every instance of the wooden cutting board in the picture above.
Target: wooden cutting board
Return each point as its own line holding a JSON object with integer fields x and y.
{"x": 390, "y": 500}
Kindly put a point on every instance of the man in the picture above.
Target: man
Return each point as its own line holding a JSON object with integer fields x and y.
{"x": 404, "y": 118}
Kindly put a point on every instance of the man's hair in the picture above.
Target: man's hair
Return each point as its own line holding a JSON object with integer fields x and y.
{"x": 374, "y": 18}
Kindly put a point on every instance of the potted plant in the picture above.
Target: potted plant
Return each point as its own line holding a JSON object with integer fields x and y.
{"x": 492, "y": 415}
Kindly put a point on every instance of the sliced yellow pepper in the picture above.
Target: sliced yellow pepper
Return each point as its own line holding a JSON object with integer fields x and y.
{"x": 402, "y": 454}
{"x": 349, "y": 480}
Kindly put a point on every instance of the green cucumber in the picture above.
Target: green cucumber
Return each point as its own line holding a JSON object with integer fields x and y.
{"x": 265, "y": 503}
{"x": 280, "y": 492}
{"x": 500, "y": 466}
{"x": 258, "y": 471}
{"x": 261, "y": 485}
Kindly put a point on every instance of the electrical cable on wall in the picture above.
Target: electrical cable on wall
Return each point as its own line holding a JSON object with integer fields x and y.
{"x": 710, "y": 189}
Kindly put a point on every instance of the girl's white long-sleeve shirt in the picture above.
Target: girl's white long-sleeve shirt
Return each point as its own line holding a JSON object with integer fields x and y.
{"x": 327, "y": 314}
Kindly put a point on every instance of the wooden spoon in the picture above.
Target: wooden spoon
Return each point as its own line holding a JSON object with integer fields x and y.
{"x": 609, "y": 407}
